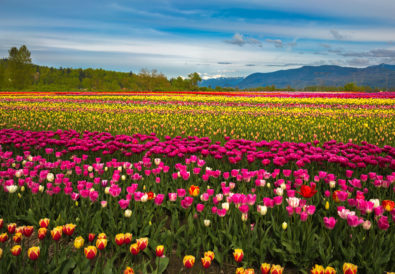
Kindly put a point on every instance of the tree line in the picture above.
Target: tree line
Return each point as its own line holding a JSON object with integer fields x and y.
{"x": 17, "y": 72}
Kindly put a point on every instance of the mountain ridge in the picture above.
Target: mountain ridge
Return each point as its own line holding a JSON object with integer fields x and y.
{"x": 381, "y": 76}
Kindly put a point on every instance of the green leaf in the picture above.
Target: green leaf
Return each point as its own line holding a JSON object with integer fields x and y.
{"x": 163, "y": 263}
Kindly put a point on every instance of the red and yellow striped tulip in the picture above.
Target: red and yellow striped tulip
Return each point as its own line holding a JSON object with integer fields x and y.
{"x": 44, "y": 222}
{"x": 11, "y": 228}
{"x": 42, "y": 232}
{"x": 317, "y": 269}
{"x": 159, "y": 250}
{"x": 68, "y": 229}
{"x": 16, "y": 250}
{"x": 102, "y": 236}
{"x": 33, "y": 253}
{"x": 249, "y": 271}
{"x": 206, "y": 261}
{"x": 349, "y": 268}
{"x": 128, "y": 238}
{"x": 238, "y": 254}
{"x": 56, "y": 233}
{"x": 209, "y": 254}
{"x": 90, "y": 252}
{"x": 276, "y": 269}
{"x": 142, "y": 243}
{"x": 134, "y": 249}
{"x": 265, "y": 268}
{"x": 1, "y": 223}
{"x": 329, "y": 270}
{"x": 188, "y": 261}
{"x": 28, "y": 230}
{"x": 3, "y": 237}
{"x": 17, "y": 238}
{"x": 101, "y": 244}
{"x": 240, "y": 270}
{"x": 120, "y": 239}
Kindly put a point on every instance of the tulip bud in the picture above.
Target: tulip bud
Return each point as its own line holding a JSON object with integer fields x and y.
{"x": 11, "y": 228}
{"x": 42, "y": 232}
{"x": 284, "y": 225}
{"x": 327, "y": 205}
{"x": 238, "y": 254}
{"x": 263, "y": 210}
{"x": 160, "y": 249}
{"x": 128, "y": 213}
{"x": 1, "y": 253}
{"x": 17, "y": 238}
{"x": 128, "y": 270}
{"x": 44, "y": 222}
{"x": 91, "y": 237}
{"x": 207, "y": 222}
{"x": 79, "y": 242}
{"x": 127, "y": 238}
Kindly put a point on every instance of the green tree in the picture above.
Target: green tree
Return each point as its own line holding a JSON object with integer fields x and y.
{"x": 20, "y": 67}
{"x": 194, "y": 80}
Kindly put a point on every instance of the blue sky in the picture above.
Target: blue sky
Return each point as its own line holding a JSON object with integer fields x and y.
{"x": 215, "y": 38}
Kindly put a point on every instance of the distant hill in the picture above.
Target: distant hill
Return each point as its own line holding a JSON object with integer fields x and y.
{"x": 381, "y": 76}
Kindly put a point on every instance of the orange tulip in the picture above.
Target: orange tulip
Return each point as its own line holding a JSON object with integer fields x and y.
{"x": 265, "y": 268}
{"x": 56, "y": 233}
{"x": 3, "y": 237}
{"x": 33, "y": 253}
{"x": 44, "y": 222}
{"x": 101, "y": 244}
{"x": 249, "y": 271}
{"x": 188, "y": 261}
{"x": 349, "y": 268}
{"x": 90, "y": 252}
{"x": 142, "y": 243}
{"x": 17, "y": 238}
{"x": 42, "y": 232}
{"x": 128, "y": 270}
{"x": 16, "y": 250}
{"x": 388, "y": 205}
{"x": 128, "y": 238}
{"x": 238, "y": 254}
{"x": 159, "y": 250}
{"x": 206, "y": 261}
{"x": 194, "y": 190}
{"x": 134, "y": 249}
{"x": 120, "y": 239}
{"x": 28, "y": 230}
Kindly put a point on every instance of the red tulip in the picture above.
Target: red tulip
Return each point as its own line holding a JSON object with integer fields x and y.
{"x": 307, "y": 191}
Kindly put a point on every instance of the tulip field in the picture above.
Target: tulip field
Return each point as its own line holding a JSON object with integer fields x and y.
{"x": 194, "y": 182}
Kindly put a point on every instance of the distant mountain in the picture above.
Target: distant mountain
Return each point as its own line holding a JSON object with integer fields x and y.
{"x": 381, "y": 76}
{"x": 221, "y": 82}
